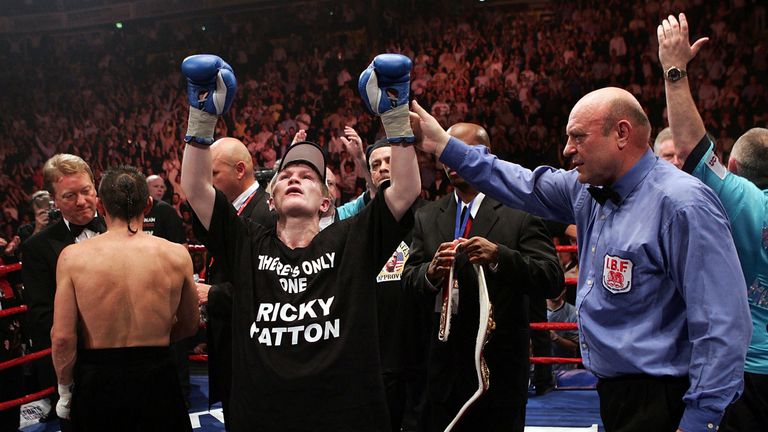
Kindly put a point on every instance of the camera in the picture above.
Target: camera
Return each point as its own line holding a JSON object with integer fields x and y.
{"x": 54, "y": 214}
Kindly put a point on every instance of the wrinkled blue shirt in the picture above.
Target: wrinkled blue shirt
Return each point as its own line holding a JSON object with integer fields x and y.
{"x": 660, "y": 288}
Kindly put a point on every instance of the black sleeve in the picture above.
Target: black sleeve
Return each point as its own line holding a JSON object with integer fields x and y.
{"x": 415, "y": 272}
{"x": 39, "y": 291}
{"x": 383, "y": 233}
{"x": 227, "y": 231}
{"x": 534, "y": 264}
{"x": 220, "y": 300}
{"x": 697, "y": 154}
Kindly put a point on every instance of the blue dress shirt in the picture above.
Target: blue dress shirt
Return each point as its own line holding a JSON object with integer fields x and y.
{"x": 660, "y": 291}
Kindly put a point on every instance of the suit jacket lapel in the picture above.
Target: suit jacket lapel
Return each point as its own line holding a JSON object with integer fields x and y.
{"x": 486, "y": 218}
{"x": 60, "y": 237}
{"x": 446, "y": 218}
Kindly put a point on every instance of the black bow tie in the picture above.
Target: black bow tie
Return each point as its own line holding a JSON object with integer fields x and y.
{"x": 96, "y": 225}
{"x": 603, "y": 194}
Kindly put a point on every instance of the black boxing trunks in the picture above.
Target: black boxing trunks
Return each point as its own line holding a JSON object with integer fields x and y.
{"x": 127, "y": 389}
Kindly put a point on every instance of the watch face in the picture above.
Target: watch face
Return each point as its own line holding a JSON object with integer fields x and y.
{"x": 673, "y": 74}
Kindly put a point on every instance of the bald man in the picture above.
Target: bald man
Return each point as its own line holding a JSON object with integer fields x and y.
{"x": 661, "y": 297}
{"x": 156, "y": 186}
{"x": 233, "y": 175}
{"x": 519, "y": 262}
{"x": 162, "y": 220}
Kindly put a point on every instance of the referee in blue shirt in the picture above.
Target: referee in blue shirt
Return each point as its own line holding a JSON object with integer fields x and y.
{"x": 661, "y": 299}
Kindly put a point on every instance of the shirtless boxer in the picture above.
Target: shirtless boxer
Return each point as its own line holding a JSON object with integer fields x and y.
{"x": 120, "y": 300}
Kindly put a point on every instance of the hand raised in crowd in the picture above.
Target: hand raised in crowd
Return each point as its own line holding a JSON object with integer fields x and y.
{"x": 10, "y": 248}
{"x": 300, "y": 136}
{"x": 479, "y": 250}
{"x": 353, "y": 144}
{"x": 442, "y": 261}
{"x": 674, "y": 46}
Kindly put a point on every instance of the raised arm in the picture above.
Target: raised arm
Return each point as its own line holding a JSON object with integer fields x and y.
{"x": 405, "y": 180}
{"x": 546, "y": 192}
{"x": 197, "y": 182}
{"x": 675, "y": 52}
{"x": 211, "y": 86}
{"x": 384, "y": 87}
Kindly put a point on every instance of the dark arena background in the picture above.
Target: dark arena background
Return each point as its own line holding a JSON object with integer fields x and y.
{"x": 101, "y": 79}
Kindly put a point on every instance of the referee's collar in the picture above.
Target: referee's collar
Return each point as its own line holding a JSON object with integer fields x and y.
{"x": 240, "y": 200}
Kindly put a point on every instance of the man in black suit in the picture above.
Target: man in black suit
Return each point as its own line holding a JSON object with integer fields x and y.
{"x": 518, "y": 260}
{"x": 71, "y": 182}
{"x": 233, "y": 175}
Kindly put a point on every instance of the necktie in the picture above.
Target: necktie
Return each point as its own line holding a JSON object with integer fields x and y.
{"x": 468, "y": 227}
{"x": 96, "y": 225}
{"x": 603, "y": 194}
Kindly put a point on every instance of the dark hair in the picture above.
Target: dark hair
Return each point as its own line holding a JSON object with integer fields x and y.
{"x": 124, "y": 193}
{"x": 375, "y": 146}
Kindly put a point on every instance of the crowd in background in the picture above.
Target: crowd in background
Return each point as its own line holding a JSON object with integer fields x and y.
{"x": 116, "y": 96}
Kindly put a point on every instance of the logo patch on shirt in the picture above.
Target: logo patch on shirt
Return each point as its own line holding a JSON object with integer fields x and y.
{"x": 757, "y": 294}
{"x": 713, "y": 163}
{"x": 617, "y": 274}
{"x": 393, "y": 269}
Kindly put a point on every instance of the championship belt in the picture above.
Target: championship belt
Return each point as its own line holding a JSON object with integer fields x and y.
{"x": 484, "y": 329}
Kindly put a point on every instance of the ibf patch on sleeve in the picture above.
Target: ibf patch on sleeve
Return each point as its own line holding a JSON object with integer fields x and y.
{"x": 713, "y": 163}
{"x": 393, "y": 269}
{"x": 617, "y": 274}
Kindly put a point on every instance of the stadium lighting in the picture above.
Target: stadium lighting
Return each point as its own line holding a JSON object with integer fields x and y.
{"x": 118, "y": 25}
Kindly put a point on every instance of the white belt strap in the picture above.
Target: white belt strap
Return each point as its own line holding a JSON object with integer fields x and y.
{"x": 484, "y": 329}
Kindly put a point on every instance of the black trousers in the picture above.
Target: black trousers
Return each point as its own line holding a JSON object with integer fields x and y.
{"x": 406, "y": 398}
{"x": 127, "y": 390}
{"x": 750, "y": 412}
{"x": 642, "y": 403}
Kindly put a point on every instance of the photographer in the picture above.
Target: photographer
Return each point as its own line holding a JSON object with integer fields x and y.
{"x": 45, "y": 214}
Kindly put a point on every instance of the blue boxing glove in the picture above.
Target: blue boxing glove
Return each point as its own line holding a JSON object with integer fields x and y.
{"x": 384, "y": 87}
{"x": 211, "y": 87}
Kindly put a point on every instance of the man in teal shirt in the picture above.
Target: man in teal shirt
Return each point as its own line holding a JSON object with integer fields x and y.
{"x": 742, "y": 188}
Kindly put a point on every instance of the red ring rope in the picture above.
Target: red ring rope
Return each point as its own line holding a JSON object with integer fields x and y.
{"x": 567, "y": 248}
{"x": 13, "y": 311}
{"x": 25, "y": 359}
{"x": 554, "y": 326}
{"x": 26, "y": 399}
{"x": 5, "y": 269}
{"x": 555, "y": 360}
